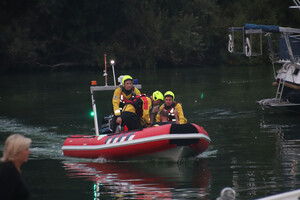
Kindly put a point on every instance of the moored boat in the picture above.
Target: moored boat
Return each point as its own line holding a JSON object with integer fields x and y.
{"x": 287, "y": 55}
{"x": 230, "y": 194}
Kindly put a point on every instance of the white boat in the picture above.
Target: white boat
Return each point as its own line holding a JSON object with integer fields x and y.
{"x": 230, "y": 194}
{"x": 287, "y": 56}
{"x": 292, "y": 195}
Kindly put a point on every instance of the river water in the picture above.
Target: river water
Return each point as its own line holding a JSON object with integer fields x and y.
{"x": 253, "y": 151}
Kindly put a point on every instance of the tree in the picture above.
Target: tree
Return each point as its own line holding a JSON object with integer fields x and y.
{"x": 173, "y": 32}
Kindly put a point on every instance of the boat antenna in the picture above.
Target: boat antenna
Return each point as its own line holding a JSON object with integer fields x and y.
{"x": 112, "y": 62}
{"x": 105, "y": 69}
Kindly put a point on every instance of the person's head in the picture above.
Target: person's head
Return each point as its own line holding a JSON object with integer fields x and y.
{"x": 157, "y": 97}
{"x": 164, "y": 115}
{"x": 127, "y": 82}
{"x": 16, "y": 149}
{"x": 169, "y": 98}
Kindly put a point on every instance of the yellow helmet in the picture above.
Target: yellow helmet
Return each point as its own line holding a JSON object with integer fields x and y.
{"x": 125, "y": 78}
{"x": 157, "y": 95}
{"x": 170, "y": 94}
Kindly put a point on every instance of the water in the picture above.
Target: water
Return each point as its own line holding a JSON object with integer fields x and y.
{"x": 253, "y": 151}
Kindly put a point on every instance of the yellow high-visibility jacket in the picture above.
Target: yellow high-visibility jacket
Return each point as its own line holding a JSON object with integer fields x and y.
{"x": 182, "y": 119}
{"x": 116, "y": 100}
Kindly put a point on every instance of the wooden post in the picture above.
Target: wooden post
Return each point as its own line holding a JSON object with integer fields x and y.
{"x": 105, "y": 71}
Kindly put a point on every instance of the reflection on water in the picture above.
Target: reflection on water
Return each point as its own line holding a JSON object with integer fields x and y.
{"x": 287, "y": 148}
{"x": 134, "y": 180}
{"x": 253, "y": 151}
{"x": 224, "y": 114}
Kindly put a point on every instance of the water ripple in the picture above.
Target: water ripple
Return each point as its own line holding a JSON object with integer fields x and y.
{"x": 46, "y": 143}
{"x": 223, "y": 114}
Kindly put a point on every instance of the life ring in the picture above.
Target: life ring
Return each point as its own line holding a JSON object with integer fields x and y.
{"x": 248, "y": 51}
{"x": 230, "y": 43}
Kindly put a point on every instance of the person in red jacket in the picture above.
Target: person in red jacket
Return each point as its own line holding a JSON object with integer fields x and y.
{"x": 136, "y": 112}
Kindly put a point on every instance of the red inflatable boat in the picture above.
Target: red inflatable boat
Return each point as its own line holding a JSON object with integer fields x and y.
{"x": 171, "y": 141}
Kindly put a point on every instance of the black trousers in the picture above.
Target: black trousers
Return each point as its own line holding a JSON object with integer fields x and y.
{"x": 131, "y": 120}
{"x": 114, "y": 123}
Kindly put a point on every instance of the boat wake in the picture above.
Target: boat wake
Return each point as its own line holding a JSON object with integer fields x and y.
{"x": 219, "y": 113}
{"x": 46, "y": 143}
{"x": 208, "y": 154}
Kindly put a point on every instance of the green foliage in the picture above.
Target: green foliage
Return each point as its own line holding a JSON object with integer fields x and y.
{"x": 145, "y": 33}
{"x": 164, "y": 32}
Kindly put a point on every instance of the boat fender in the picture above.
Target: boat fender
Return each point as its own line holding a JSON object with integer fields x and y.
{"x": 230, "y": 43}
{"x": 248, "y": 50}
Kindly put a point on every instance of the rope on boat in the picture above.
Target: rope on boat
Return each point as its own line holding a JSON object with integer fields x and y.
{"x": 273, "y": 61}
{"x": 230, "y": 43}
{"x": 248, "y": 50}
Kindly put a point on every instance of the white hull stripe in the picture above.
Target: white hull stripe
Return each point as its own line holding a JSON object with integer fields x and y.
{"x": 100, "y": 137}
{"x": 131, "y": 137}
{"x": 128, "y": 136}
{"x": 108, "y": 141}
{"x": 122, "y": 140}
{"x": 130, "y": 141}
{"x": 115, "y": 139}
{"x": 118, "y": 137}
{"x": 121, "y": 137}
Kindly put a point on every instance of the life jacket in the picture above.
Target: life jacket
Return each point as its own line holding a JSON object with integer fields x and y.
{"x": 171, "y": 110}
{"x": 137, "y": 102}
{"x": 123, "y": 100}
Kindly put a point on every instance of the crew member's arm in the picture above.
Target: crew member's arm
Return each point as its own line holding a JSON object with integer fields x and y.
{"x": 116, "y": 101}
{"x": 154, "y": 112}
{"x": 176, "y": 116}
{"x": 182, "y": 119}
{"x": 157, "y": 119}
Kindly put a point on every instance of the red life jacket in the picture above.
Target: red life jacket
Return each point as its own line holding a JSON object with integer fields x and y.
{"x": 139, "y": 102}
{"x": 123, "y": 100}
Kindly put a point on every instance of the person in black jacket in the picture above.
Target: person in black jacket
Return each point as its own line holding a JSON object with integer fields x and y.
{"x": 12, "y": 184}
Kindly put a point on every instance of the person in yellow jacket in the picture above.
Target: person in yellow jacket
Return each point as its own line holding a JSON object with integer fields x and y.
{"x": 136, "y": 112}
{"x": 174, "y": 109}
{"x": 121, "y": 95}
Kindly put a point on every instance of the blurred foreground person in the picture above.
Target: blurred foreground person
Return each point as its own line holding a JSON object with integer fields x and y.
{"x": 15, "y": 153}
